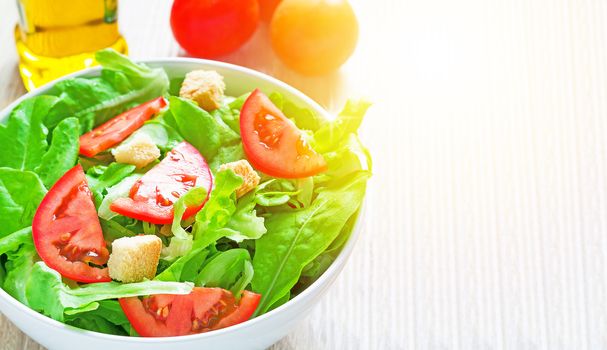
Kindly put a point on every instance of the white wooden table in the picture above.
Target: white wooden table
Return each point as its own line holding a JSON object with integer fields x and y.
{"x": 488, "y": 210}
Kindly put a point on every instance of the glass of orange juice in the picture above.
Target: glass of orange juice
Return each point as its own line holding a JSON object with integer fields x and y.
{"x": 57, "y": 37}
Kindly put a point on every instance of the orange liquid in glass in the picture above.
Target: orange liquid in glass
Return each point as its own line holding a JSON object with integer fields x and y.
{"x": 58, "y": 37}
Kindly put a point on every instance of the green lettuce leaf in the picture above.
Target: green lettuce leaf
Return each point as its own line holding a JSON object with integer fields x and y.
{"x": 227, "y": 154}
{"x": 110, "y": 176}
{"x": 62, "y": 154}
{"x": 230, "y": 270}
{"x": 23, "y": 138}
{"x": 244, "y": 222}
{"x": 205, "y": 132}
{"x": 165, "y": 137}
{"x": 46, "y": 293}
{"x": 13, "y": 241}
{"x": 237, "y": 103}
{"x": 349, "y": 157}
{"x": 330, "y": 135}
{"x": 18, "y": 267}
{"x": 229, "y": 116}
{"x": 20, "y": 194}
{"x": 208, "y": 228}
{"x": 20, "y": 257}
{"x": 275, "y": 192}
{"x": 217, "y": 212}
{"x": 181, "y": 243}
{"x": 119, "y": 190}
{"x": 123, "y": 84}
{"x": 304, "y": 118}
{"x": 296, "y": 238}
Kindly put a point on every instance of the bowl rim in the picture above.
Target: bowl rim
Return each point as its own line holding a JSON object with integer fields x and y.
{"x": 334, "y": 268}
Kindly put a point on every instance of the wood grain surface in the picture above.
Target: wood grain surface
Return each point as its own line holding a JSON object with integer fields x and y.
{"x": 488, "y": 208}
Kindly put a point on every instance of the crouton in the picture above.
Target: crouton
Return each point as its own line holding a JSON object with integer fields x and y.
{"x": 139, "y": 151}
{"x": 203, "y": 87}
{"x": 246, "y": 171}
{"x": 134, "y": 259}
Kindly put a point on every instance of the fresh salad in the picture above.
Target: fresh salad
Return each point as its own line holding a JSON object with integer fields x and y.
{"x": 131, "y": 204}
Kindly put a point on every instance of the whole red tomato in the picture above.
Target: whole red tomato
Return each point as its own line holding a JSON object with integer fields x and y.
{"x": 266, "y": 9}
{"x": 209, "y": 28}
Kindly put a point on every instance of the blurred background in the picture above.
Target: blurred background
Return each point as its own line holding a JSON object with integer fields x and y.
{"x": 487, "y": 215}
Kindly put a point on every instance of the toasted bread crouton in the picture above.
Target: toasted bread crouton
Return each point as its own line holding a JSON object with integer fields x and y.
{"x": 204, "y": 87}
{"x": 246, "y": 171}
{"x": 134, "y": 259}
{"x": 140, "y": 151}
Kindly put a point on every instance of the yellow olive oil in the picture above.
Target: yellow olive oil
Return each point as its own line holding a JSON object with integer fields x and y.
{"x": 58, "y": 37}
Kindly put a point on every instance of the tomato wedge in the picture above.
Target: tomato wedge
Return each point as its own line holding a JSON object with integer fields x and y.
{"x": 67, "y": 233}
{"x": 118, "y": 128}
{"x": 273, "y": 143}
{"x": 152, "y": 197}
{"x": 203, "y": 310}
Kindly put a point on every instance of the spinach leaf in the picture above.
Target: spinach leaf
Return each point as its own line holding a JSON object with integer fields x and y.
{"x": 62, "y": 154}
{"x": 231, "y": 270}
{"x": 280, "y": 301}
{"x": 20, "y": 194}
{"x": 105, "y": 316}
{"x": 295, "y": 238}
{"x": 321, "y": 263}
{"x": 186, "y": 267}
{"x": 112, "y": 230}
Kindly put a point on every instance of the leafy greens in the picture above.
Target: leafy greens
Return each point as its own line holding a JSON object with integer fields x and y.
{"x": 275, "y": 240}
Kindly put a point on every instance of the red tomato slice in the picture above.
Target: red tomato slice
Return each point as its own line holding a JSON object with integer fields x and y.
{"x": 273, "y": 143}
{"x": 67, "y": 233}
{"x": 203, "y": 310}
{"x": 118, "y": 128}
{"x": 152, "y": 197}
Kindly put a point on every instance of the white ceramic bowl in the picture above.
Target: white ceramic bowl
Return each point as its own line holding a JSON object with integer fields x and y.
{"x": 257, "y": 333}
